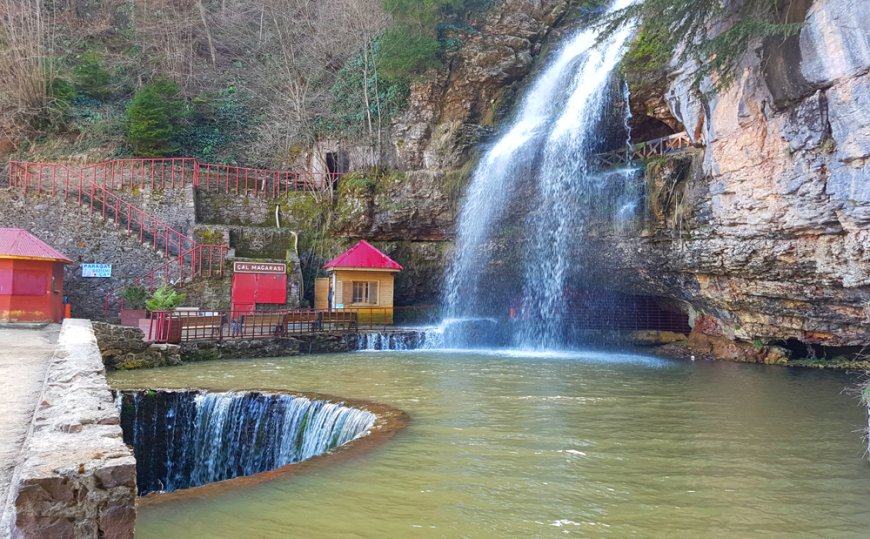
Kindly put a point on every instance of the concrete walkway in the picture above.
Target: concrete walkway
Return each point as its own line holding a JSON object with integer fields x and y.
{"x": 24, "y": 356}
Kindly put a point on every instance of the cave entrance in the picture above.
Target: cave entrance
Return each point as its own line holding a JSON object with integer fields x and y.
{"x": 334, "y": 168}
{"x": 601, "y": 309}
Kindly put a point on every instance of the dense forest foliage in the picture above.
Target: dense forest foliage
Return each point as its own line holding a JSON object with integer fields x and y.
{"x": 199, "y": 77}
{"x": 258, "y": 81}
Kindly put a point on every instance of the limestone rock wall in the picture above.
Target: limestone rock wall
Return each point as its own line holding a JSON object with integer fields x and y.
{"x": 775, "y": 236}
{"x": 79, "y": 478}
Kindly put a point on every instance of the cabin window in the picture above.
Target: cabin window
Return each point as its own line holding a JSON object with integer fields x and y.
{"x": 365, "y": 292}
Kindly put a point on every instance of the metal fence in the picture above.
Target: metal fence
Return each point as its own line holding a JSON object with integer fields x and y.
{"x": 194, "y": 325}
{"x": 644, "y": 150}
{"x": 168, "y": 173}
{"x": 89, "y": 187}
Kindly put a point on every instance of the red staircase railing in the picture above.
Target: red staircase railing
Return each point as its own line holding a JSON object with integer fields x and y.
{"x": 201, "y": 261}
{"x": 83, "y": 186}
{"x": 91, "y": 186}
{"x": 88, "y": 187}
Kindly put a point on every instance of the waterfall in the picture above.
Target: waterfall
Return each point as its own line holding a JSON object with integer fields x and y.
{"x": 185, "y": 439}
{"x": 410, "y": 339}
{"x": 539, "y": 169}
{"x": 480, "y": 330}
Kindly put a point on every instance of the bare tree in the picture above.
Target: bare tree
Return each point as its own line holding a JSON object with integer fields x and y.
{"x": 365, "y": 19}
{"x": 26, "y": 39}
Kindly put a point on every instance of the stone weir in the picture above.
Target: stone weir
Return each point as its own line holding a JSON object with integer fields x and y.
{"x": 77, "y": 478}
{"x": 189, "y": 438}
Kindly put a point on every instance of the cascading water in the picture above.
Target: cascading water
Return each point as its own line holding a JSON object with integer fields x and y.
{"x": 185, "y": 439}
{"x": 543, "y": 159}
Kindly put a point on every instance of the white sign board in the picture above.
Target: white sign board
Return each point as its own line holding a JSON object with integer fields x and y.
{"x": 96, "y": 270}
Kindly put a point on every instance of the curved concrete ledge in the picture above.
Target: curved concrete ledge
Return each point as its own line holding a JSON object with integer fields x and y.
{"x": 388, "y": 423}
{"x": 77, "y": 478}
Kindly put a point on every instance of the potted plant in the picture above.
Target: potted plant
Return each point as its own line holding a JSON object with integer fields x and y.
{"x": 134, "y": 305}
{"x": 167, "y": 299}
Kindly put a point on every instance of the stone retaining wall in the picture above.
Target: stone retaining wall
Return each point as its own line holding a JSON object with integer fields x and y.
{"x": 84, "y": 238}
{"x": 322, "y": 343}
{"x": 78, "y": 479}
{"x": 123, "y": 347}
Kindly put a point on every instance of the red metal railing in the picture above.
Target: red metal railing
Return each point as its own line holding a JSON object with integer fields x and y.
{"x": 628, "y": 319}
{"x": 85, "y": 186}
{"x": 201, "y": 261}
{"x": 183, "y": 326}
{"x": 171, "y": 173}
{"x": 155, "y": 173}
{"x": 259, "y": 182}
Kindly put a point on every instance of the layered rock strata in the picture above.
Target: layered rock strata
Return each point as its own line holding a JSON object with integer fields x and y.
{"x": 770, "y": 234}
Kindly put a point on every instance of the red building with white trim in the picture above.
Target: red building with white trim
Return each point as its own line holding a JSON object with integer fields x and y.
{"x": 31, "y": 278}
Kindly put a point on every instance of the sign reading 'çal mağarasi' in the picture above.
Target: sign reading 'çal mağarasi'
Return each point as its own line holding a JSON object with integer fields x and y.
{"x": 96, "y": 270}
{"x": 259, "y": 267}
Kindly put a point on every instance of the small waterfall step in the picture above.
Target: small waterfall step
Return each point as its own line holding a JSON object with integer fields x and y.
{"x": 465, "y": 333}
{"x": 189, "y": 438}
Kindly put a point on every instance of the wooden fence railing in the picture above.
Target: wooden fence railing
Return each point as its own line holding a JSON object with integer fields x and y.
{"x": 644, "y": 150}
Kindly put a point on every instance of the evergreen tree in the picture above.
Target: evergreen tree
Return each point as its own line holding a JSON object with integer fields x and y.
{"x": 153, "y": 119}
{"x": 90, "y": 76}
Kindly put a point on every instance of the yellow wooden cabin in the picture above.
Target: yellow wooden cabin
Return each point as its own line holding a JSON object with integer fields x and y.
{"x": 361, "y": 281}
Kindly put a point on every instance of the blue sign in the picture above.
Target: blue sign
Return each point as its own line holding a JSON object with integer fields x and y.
{"x": 96, "y": 270}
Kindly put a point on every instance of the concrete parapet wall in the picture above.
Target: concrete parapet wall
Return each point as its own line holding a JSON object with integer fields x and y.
{"x": 78, "y": 479}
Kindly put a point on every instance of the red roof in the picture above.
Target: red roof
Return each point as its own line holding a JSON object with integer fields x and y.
{"x": 363, "y": 255}
{"x": 19, "y": 243}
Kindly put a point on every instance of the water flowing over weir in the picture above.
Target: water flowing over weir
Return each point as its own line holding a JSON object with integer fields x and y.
{"x": 185, "y": 439}
{"x": 543, "y": 161}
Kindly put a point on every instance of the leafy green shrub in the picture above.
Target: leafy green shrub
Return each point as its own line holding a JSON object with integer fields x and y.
{"x": 154, "y": 118}
{"x": 90, "y": 76}
{"x": 164, "y": 299}
{"x": 408, "y": 53}
{"x": 61, "y": 93}
{"x": 134, "y": 297}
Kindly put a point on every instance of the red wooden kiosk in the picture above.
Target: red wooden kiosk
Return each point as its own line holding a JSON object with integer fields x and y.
{"x": 31, "y": 278}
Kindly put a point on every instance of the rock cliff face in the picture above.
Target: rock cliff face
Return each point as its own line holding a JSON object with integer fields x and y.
{"x": 767, "y": 229}
{"x": 774, "y": 239}
{"x": 435, "y": 142}
{"x": 448, "y": 117}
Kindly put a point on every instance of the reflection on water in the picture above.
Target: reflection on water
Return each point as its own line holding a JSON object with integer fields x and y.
{"x": 519, "y": 445}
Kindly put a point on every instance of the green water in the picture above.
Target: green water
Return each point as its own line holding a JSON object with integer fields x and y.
{"x": 585, "y": 445}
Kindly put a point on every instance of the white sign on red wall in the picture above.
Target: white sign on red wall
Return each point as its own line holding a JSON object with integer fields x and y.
{"x": 259, "y": 267}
